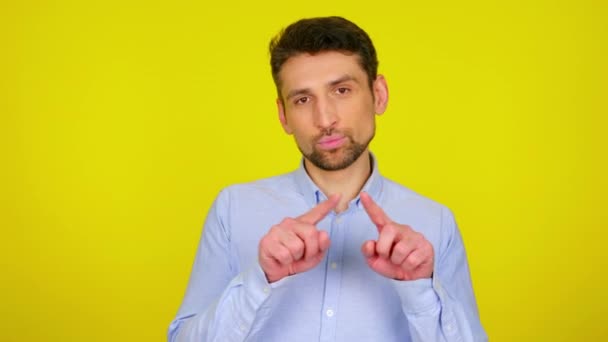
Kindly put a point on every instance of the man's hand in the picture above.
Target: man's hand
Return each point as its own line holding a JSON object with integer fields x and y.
{"x": 400, "y": 252}
{"x": 295, "y": 245}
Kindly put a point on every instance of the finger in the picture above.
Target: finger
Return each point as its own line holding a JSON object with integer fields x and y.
{"x": 369, "y": 248}
{"x": 422, "y": 256}
{"x": 268, "y": 262}
{"x": 294, "y": 244}
{"x": 375, "y": 213}
{"x": 317, "y": 213}
{"x": 387, "y": 238}
{"x": 310, "y": 237}
{"x": 384, "y": 267}
{"x": 281, "y": 254}
{"x": 324, "y": 241}
{"x": 304, "y": 265}
{"x": 401, "y": 251}
{"x": 414, "y": 260}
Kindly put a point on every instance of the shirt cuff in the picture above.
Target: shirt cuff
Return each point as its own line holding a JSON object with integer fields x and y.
{"x": 417, "y": 296}
{"x": 256, "y": 285}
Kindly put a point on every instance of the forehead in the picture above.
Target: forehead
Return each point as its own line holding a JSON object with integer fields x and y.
{"x": 308, "y": 71}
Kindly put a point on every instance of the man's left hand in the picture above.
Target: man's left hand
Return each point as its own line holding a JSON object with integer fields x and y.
{"x": 400, "y": 252}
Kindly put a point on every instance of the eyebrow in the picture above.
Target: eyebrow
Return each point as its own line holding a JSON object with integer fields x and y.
{"x": 339, "y": 80}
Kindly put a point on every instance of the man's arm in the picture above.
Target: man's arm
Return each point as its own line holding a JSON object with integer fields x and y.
{"x": 220, "y": 299}
{"x": 221, "y": 302}
{"x": 444, "y": 308}
{"x": 436, "y": 293}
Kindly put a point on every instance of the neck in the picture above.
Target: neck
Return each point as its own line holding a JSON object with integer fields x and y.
{"x": 348, "y": 182}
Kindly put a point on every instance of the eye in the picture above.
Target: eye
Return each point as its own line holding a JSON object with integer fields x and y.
{"x": 343, "y": 90}
{"x": 302, "y": 100}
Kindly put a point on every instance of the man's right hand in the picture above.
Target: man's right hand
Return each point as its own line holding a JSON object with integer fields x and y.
{"x": 295, "y": 245}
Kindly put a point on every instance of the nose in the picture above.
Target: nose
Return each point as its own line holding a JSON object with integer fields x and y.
{"x": 325, "y": 115}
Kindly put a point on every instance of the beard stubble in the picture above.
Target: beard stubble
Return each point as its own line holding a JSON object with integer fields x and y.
{"x": 329, "y": 160}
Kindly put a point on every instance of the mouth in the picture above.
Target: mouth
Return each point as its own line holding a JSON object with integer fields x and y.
{"x": 331, "y": 142}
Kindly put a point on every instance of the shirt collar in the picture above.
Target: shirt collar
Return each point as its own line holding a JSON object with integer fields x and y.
{"x": 313, "y": 195}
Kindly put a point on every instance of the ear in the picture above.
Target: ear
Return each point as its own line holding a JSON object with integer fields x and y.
{"x": 282, "y": 117}
{"x": 380, "y": 94}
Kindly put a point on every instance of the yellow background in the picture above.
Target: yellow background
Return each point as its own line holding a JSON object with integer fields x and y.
{"x": 121, "y": 121}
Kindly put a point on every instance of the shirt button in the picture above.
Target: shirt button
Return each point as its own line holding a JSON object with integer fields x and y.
{"x": 329, "y": 312}
{"x": 243, "y": 327}
{"x": 266, "y": 290}
{"x": 449, "y": 327}
{"x": 334, "y": 265}
{"x": 339, "y": 220}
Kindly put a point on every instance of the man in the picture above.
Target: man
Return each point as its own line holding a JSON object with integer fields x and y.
{"x": 332, "y": 251}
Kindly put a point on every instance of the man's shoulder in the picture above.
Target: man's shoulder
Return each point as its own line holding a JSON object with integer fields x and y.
{"x": 267, "y": 199}
{"x": 424, "y": 214}
{"x": 279, "y": 185}
{"x": 396, "y": 194}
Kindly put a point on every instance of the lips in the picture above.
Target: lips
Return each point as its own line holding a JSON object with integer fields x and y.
{"x": 330, "y": 142}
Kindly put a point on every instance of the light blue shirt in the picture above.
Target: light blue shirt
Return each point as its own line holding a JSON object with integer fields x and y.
{"x": 229, "y": 299}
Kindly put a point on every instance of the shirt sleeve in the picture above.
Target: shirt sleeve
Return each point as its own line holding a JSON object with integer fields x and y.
{"x": 443, "y": 308}
{"x": 221, "y": 302}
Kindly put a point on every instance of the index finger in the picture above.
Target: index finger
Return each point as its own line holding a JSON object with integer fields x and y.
{"x": 375, "y": 213}
{"x": 316, "y": 214}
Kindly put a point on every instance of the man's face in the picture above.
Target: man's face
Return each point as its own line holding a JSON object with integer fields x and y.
{"x": 328, "y": 106}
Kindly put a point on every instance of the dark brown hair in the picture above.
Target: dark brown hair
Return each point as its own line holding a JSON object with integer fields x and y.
{"x": 316, "y": 35}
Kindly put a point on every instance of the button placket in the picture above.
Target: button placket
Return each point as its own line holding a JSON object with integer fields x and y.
{"x": 333, "y": 278}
